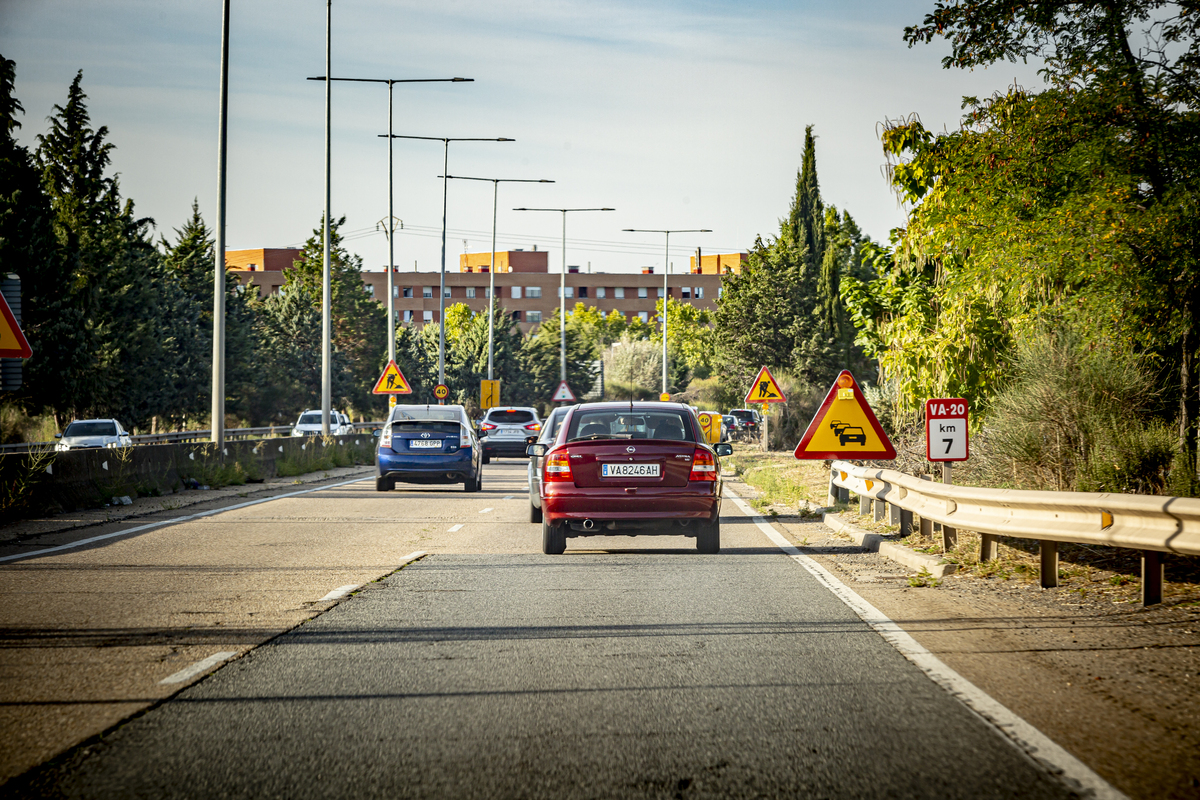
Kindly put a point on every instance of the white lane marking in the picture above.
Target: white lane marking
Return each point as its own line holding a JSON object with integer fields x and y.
{"x": 339, "y": 592}
{"x": 508, "y": 497}
{"x": 454, "y": 528}
{"x": 200, "y": 666}
{"x": 164, "y": 522}
{"x": 484, "y": 511}
{"x": 1018, "y": 732}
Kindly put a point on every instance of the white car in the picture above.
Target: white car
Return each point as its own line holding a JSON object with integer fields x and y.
{"x": 83, "y": 434}
{"x": 506, "y": 428}
{"x": 309, "y": 424}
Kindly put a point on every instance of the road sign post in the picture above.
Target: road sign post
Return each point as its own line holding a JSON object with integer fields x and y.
{"x": 947, "y": 439}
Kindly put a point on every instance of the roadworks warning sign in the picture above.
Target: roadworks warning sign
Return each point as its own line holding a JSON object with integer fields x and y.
{"x": 765, "y": 389}
{"x": 845, "y": 426}
{"x": 392, "y": 381}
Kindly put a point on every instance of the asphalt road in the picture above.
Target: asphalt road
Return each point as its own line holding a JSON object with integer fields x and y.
{"x": 624, "y": 668}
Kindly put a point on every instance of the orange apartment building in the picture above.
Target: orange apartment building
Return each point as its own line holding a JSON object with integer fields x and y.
{"x": 527, "y": 288}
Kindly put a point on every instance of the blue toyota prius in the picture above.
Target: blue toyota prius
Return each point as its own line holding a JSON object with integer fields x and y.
{"x": 428, "y": 444}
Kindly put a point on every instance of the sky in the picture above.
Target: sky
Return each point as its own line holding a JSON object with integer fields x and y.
{"x": 679, "y": 115}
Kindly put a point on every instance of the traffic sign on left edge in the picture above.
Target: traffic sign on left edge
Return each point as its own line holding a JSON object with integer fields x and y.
{"x": 12, "y": 341}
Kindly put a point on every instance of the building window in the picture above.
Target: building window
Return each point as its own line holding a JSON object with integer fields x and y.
{"x": 516, "y": 293}
{"x": 427, "y": 316}
{"x": 487, "y": 292}
{"x": 369, "y": 288}
{"x": 699, "y": 292}
{"x": 583, "y": 291}
{"x": 426, "y": 291}
{"x": 570, "y": 291}
{"x": 533, "y": 316}
{"x": 660, "y": 293}
{"x": 600, "y": 293}
{"x": 407, "y": 291}
{"x": 408, "y": 315}
{"x": 446, "y": 291}
{"x": 516, "y": 315}
{"x": 644, "y": 316}
{"x": 471, "y": 292}
{"x": 642, "y": 293}
{"x": 619, "y": 293}
{"x": 685, "y": 293}
{"x": 395, "y": 291}
{"x": 720, "y": 291}
{"x": 532, "y": 292}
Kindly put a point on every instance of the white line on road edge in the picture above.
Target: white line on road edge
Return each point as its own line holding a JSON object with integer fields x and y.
{"x": 340, "y": 592}
{"x": 454, "y": 528}
{"x": 484, "y": 511}
{"x": 508, "y": 497}
{"x": 1020, "y": 733}
{"x": 161, "y": 523}
{"x": 198, "y": 667}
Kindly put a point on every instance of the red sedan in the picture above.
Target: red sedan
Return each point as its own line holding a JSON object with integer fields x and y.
{"x": 630, "y": 469}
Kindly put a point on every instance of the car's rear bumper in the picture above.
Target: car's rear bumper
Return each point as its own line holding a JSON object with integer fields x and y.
{"x": 650, "y": 507}
{"x": 441, "y": 468}
{"x": 505, "y": 447}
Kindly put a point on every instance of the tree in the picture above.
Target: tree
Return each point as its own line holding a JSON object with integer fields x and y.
{"x": 541, "y": 355}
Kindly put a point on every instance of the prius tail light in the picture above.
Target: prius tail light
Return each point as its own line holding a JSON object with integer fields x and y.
{"x": 385, "y": 438}
{"x": 558, "y": 467}
{"x": 704, "y": 466}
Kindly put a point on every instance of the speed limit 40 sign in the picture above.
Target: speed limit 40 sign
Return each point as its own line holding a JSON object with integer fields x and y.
{"x": 946, "y": 429}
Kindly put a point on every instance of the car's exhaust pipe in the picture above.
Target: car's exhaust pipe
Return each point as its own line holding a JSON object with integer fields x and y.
{"x": 588, "y": 525}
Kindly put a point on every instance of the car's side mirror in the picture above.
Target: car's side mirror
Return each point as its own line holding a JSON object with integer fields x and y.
{"x": 58, "y": 436}
{"x": 537, "y": 450}
{"x": 723, "y": 449}
{"x": 377, "y": 432}
{"x": 483, "y": 433}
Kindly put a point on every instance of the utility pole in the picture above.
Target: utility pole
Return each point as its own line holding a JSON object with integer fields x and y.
{"x": 218, "y": 359}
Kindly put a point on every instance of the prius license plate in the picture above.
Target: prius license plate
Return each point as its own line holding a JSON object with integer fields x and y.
{"x": 629, "y": 470}
{"x": 431, "y": 444}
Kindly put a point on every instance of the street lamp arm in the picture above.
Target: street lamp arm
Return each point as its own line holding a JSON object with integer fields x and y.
{"x": 397, "y": 80}
{"x": 443, "y": 138}
{"x": 564, "y": 210}
{"x": 496, "y": 180}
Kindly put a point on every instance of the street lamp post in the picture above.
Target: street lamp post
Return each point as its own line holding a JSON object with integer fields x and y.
{"x": 666, "y": 274}
{"x": 218, "y": 362}
{"x": 492, "y": 270}
{"x": 442, "y": 289}
{"x": 391, "y": 229}
{"x": 562, "y": 283}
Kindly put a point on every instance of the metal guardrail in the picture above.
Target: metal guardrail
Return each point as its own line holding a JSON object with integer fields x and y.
{"x": 176, "y": 437}
{"x": 1150, "y": 524}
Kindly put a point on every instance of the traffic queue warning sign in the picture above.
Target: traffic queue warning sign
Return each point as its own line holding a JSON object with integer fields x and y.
{"x": 12, "y": 342}
{"x": 392, "y": 381}
{"x": 844, "y": 426}
{"x": 946, "y": 437}
{"x": 765, "y": 389}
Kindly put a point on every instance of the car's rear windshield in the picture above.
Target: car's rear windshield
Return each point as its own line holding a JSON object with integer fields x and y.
{"x": 511, "y": 417}
{"x": 426, "y": 426}
{"x": 423, "y": 413}
{"x": 91, "y": 429}
{"x": 310, "y": 419}
{"x": 672, "y": 425}
{"x": 742, "y": 414}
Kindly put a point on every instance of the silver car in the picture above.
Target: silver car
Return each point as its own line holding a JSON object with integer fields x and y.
{"x": 506, "y": 429}
{"x": 83, "y": 434}
{"x": 548, "y": 432}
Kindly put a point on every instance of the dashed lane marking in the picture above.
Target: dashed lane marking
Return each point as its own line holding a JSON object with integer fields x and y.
{"x": 454, "y": 528}
{"x": 484, "y": 511}
{"x": 508, "y": 497}
{"x": 200, "y": 666}
{"x": 339, "y": 592}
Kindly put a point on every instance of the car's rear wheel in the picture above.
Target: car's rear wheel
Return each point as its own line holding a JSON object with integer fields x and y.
{"x": 535, "y": 513}
{"x": 708, "y": 537}
{"x": 554, "y": 539}
{"x": 487, "y": 459}
{"x": 384, "y": 484}
{"x": 479, "y": 481}
{"x": 471, "y": 483}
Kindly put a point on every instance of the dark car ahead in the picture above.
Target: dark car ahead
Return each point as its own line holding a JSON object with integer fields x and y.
{"x": 428, "y": 444}
{"x": 630, "y": 469}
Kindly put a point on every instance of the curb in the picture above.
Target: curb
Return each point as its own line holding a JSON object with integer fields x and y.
{"x": 898, "y": 553}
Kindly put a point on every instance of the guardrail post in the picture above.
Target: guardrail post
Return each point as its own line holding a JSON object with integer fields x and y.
{"x": 893, "y": 511}
{"x": 880, "y": 510}
{"x": 1152, "y": 577}
{"x": 1049, "y": 553}
{"x": 843, "y": 494}
{"x": 949, "y": 534}
{"x": 864, "y": 504}
{"x": 926, "y": 524}
{"x": 905, "y": 522}
{"x": 989, "y": 547}
{"x": 832, "y": 497}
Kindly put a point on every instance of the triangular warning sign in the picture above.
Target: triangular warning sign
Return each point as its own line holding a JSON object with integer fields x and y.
{"x": 765, "y": 389}
{"x": 391, "y": 381}
{"x": 12, "y": 342}
{"x": 563, "y": 394}
{"x": 845, "y": 426}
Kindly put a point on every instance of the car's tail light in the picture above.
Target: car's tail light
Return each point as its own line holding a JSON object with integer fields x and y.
{"x": 558, "y": 467}
{"x": 533, "y": 426}
{"x": 704, "y": 466}
{"x": 487, "y": 426}
{"x": 385, "y": 438}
